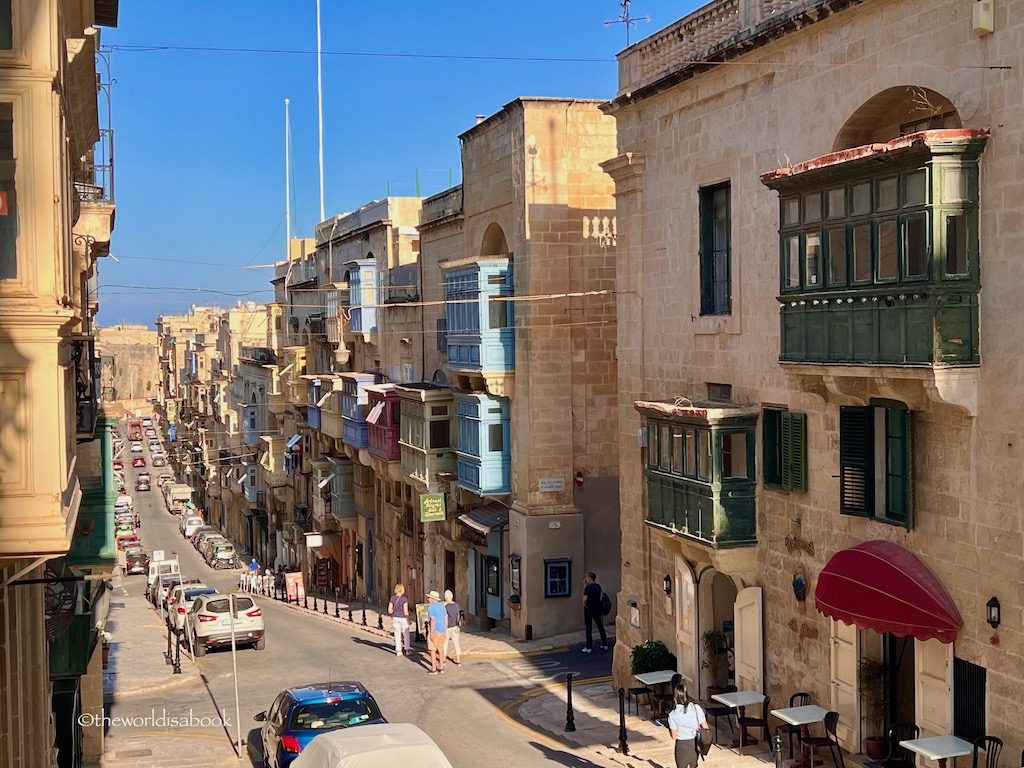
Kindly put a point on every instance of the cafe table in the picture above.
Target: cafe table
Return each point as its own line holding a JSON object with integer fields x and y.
{"x": 740, "y": 700}
{"x": 939, "y": 748}
{"x": 803, "y": 717}
{"x": 656, "y": 679}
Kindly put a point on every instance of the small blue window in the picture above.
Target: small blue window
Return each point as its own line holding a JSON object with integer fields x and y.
{"x": 558, "y": 578}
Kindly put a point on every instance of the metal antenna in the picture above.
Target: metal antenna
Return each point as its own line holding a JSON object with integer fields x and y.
{"x": 627, "y": 19}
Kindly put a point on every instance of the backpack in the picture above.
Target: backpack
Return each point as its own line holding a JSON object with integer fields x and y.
{"x": 606, "y": 604}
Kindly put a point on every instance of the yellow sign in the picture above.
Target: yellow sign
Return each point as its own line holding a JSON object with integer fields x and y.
{"x": 432, "y": 508}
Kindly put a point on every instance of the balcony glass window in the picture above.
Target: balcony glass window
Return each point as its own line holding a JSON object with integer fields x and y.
{"x": 812, "y": 260}
{"x": 837, "y": 265}
{"x": 734, "y": 456}
{"x": 496, "y": 438}
{"x": 8, "y": 194}
{"x": 957, "y": 243}
{"x": 440, "y": 435}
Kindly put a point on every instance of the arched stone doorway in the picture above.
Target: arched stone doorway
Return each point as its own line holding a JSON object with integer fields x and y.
{"x": 895, "y": 112}
{"x": 494, "y": 242}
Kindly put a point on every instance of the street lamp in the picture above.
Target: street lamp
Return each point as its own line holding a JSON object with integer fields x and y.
{"x": 993, "y": 612}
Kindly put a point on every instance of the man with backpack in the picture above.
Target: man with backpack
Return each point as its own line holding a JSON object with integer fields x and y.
{"x": 593, "y": 611}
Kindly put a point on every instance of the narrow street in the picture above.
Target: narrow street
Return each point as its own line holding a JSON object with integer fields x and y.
{"x": 461, "y": 710}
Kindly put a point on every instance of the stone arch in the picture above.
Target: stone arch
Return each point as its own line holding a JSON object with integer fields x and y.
{"x": 894, "y": 111}
{"x": 494, "y": 242}
{"x": 440, "y": 378}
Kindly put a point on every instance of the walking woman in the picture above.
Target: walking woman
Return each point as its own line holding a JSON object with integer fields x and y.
{"x": 398, "y": 610}
{"x": 683, "y": 724}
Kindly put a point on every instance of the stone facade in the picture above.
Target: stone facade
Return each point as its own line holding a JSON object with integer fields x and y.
{"x": 130, "y": 363}
{"x": 803, "y": 80}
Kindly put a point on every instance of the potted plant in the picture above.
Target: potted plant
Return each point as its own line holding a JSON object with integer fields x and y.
{"x": 514, "y": 603}
{"x": 716, "y": 648}
{"x": 871, "y": 673}
{"x": 651, "y": 656}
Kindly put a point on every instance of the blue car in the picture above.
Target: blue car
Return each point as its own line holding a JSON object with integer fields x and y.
{"x": 299, "y": 714}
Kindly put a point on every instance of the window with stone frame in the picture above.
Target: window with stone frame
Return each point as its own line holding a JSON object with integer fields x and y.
{"x": 8, "y": 194}
{"x": 875, "y": 462}
{"x": 784, "y": 449}
{"x": 715, "y": 250}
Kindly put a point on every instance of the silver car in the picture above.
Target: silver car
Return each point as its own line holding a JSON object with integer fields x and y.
{"x": 210, "y": 623}
{"x": 180, "y": 600}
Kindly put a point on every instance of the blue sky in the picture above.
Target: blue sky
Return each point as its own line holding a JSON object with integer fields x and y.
{"x": 200, "y": 134}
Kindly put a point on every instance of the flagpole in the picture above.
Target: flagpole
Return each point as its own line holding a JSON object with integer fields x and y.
{"x": 320, "y": 107}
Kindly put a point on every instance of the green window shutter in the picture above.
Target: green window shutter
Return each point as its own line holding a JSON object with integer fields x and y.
{"x": 897, "y": 465}
{"x": 794, "y": 451}
{"x": 856, "y": 461}
{"x": 771, "y": 447}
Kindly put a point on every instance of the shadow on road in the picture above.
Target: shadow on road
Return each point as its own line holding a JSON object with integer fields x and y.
{"x": 558, "y": 757}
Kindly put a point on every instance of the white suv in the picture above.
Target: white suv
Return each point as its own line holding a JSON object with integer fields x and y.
{"x": 189, "y": 525}
{"x": 209, "y": 622}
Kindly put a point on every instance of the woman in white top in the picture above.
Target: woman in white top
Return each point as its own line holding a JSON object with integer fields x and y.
{"x": 683, "y": 723}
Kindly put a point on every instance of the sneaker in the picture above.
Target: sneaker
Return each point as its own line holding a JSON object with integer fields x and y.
{"x": 587, "y": 650}
{"x": 604, "y": 647}
{"x": 432, "y": 672}
{"x": 442, "y": 670}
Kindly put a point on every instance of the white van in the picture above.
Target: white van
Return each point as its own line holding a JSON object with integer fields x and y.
{"x": 189, "y": 524}
{"x": 158, "y": 568}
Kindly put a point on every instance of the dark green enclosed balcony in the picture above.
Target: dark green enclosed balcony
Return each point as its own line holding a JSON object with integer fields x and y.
{"x": 879, "y": 253}
{"x": 701, "y": 477}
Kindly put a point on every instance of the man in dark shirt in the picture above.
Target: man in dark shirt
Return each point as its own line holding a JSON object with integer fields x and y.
{"x": 592, "y": 611}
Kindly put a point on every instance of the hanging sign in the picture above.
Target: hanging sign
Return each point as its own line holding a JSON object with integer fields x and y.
{"x": 432, "y": 507}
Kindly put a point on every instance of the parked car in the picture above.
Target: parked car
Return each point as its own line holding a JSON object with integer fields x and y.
{"x": 200, "y": 537}
{"x": 190, "y": 524}
{"x": 118, "y": 465}
{"x": 209, "y": 542}
{"x": 123, "y": 503}
{"x": 142, "y": 484}
{"x": 180, "y": 599}
{"x": 210, "y": 622}
{"x": 136, "y": 561}
{"x": 150, "y": 432}
{"x": 147, "y": 422}
{"x": 165, "y": 478}
{"x": 139, "y": 461}
{"x": 128, "y": 541}
{"x": 136, "y": 447}
{"x": 159, "y": 460}
{"x": 221, "y": 555}
{"x": 384, "y": 744}
{"x": 159, "y": 588}
{"x": 298, "y": 715}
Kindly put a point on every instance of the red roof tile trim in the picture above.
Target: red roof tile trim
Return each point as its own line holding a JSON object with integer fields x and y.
{"x": 941, "y": 136}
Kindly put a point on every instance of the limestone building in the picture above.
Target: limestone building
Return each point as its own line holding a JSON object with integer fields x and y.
{"x": 818, "y": 356}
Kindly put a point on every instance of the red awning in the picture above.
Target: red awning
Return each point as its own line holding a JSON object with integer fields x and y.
{"x": 882, "y": 586}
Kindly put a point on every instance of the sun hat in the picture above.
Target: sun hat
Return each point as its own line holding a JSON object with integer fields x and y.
{"x": 433, "y": 595}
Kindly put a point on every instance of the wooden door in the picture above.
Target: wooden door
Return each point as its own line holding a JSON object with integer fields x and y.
{"x": 933, "y": 687}
{"x": 845, "y": 657}
{"x": 686, "y": 623}
{"x": 748, "y": 617}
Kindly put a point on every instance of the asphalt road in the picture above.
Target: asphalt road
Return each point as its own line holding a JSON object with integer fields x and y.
{"x": 461, "y": 710}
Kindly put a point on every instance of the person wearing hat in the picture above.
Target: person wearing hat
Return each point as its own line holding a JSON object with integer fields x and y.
{"x": 437, "y": 625}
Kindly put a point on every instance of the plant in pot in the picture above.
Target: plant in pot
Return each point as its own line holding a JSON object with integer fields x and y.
{"x": 514, "y": 603}
{"x": 871, "y": 674}
{"x": 715, "y": 659}
{"x": 651, "y": 656}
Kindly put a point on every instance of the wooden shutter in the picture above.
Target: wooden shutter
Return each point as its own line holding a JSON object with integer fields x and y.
{"x": 856, "y": 461}
{"x": 794, "y": 451}
{"x": 897, "y": 466}
{"x": 771, "y": 447}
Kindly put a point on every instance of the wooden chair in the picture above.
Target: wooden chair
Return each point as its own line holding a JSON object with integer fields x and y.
{"x": 900, "y": 757}
{"x": 992, "y": 746}
{"x": 829, "y": 740}
{"x": 720, "y": 710}
{"x": 800, "y": 699}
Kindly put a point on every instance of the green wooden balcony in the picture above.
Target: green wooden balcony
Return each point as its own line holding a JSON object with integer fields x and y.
{"x": 713, "y": 514}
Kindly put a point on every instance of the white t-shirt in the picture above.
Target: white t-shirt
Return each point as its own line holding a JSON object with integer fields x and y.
{"x": 686, "y": 722}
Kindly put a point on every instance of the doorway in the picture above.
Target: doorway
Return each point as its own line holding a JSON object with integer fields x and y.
{"x": 900, "y": 705}
{"x": 717, "y": 630}
{"x": 449, "y": 570}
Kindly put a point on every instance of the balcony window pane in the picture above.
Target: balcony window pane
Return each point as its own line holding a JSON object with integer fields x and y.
{"x": 677, "y": 450}
{"x": 734, "y": 456}
{"x": 812, "y": 207}
{"x": 652, "y": 445}
{"x": 837, "y": 203}
{"x": 498, "y": 313}
{"x": 496, "y": 438}
{"x": 914, "y": 188}
{"x": 812, "y": 261}
{"x": 792, "y": 262}
{"x": 6, "y": 26}
{"x": 860, "y": 202}
{"x": 665, "y": 444}
{"x": 862, "y": 253}
{"x": 956, "y": 244}
{"x": 790, "y": 212}
{"x": 439, "y": 435}
{"x": 691, "y": 453}
{"x": 837, "y": 257}
{"x": 887, "y": 194}
{"x": 8, "y": 197}
{"x": 439, "y": 410}
{"x": 703, "y": 455}
{"x": 916, "y": 245}
{"x": 955, "y": 188}
{"x": 887, "y": 251}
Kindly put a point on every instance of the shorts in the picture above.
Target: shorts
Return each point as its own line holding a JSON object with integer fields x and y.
{"x": 435, "y": 640}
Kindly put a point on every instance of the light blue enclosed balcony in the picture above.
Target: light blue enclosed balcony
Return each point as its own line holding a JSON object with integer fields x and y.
{"x": 362, "y": 283}
{"x": 484, "y": 445}
{"x": 480, "y": 319}
{"x": 355, "y": 430}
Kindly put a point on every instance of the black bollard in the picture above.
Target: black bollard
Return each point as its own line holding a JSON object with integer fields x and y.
{"x": 167, "y": 653}
{"x": 325, "y": 601}
{"x": 777, "y": 751}
{"x": 380, "y": 619}
{"x": 570, "y": 718}
{"x": 350, "y": 612}
{"x": 623, "y": 738}
{"x": 177, "y": 654}
{"x": 316, "y": 609}
{"x": 305, "y": 600}
{"x": 364, "y": 610}
{"x": 337, "y": 605}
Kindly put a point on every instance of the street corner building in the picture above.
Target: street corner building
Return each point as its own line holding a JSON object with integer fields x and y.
{"x": 56, "y": 480}
{"x": 818, "y": 357}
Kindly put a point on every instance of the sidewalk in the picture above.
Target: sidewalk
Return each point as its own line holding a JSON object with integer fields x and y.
{"x": 596, "y": 716}
{"x": 476, "y": 643}
{"x": 139, "y": 685}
